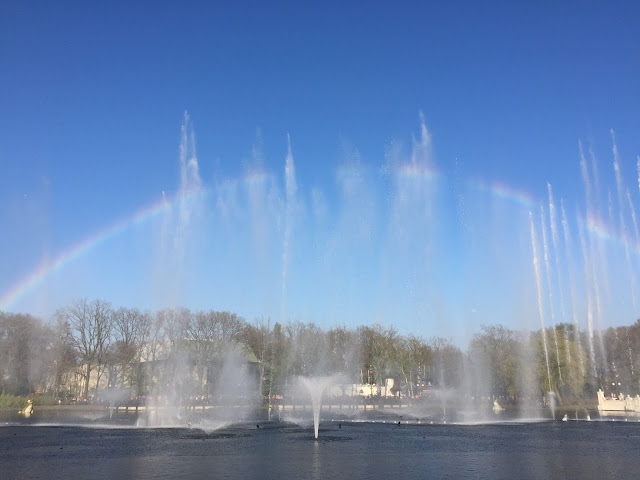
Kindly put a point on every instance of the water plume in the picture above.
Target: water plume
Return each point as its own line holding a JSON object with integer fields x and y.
{"x": 235, "y": 391}
{"x": 634, "y": 220}
{"x": 584, "y": 170}
{"x": 553, "y": 222}
{"x": 290, "y": 206}
{"x": 572, "y": 286}
{"x": 591, "y": 291}
{"x": 547, "y": 268}
{"x": 638, "y": 169}
{"x": 410, "y": 234}
{"x": 623, "y": 226}
{"x": 315, "y": 388}
{"x": 556, "y": 255}
{"x": 594, "y": 170}
{"x": 536, "y": 269}
{"x": 190, "y": 183}
{"x": 179, "y": 223}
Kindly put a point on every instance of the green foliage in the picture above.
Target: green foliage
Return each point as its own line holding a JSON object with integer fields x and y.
{"x": 42, "y": 400}
{"x": 8, "y": 401}
{"x": 27, "y": 353}
{"x": 567, "y": 361}
{"x": 496, "y": 351}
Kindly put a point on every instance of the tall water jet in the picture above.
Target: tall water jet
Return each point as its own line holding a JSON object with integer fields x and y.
{"x": 634, "y": 219}
{"x": 536, "y": 268}
{"x": 584, "y": 170}
{"x": 638, "y": 169}
{"x": 290, "y": 199}
{"x": 190, "y": 183}
{"x": 593, "y": 258}
{"x": 553, "y": 222}
{"x": 572, "y": 286}
{"x": 588, "y": 274}
{"x": 165, "y": 405}
{"x": 623, "y": 225}
{"x": 179, "y": 222}
{"x": 545, "y": 246}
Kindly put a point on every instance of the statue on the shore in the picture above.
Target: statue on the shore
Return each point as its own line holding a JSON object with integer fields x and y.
{"x": 28, "y": 410}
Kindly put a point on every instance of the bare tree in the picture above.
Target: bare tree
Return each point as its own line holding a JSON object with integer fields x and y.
{"x": 210, "y": 334}
{"x": 130, "y": 328}
{"x": 65, "y": 356}
{"x": 306, "y": 348}
{"x": 412, "y": 355}
{"x": 257, "y": 336}
{"x": 90, "y": 327}
{"x": 343, "y": 352}
{"x": 448, "y": 362}
{"x": 378, "y": 350}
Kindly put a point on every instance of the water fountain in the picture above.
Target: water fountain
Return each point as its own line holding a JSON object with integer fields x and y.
{"x": 315, "y": 387}
{"x": 358, "y": 256}
{"x": 231, "y": 397}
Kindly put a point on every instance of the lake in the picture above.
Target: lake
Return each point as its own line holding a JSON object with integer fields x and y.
{"x": 354, "y": 450}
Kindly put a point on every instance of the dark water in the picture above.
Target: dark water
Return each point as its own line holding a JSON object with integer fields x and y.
{"x": 555, "y": 450}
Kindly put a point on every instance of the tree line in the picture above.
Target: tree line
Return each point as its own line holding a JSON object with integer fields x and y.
{"x": 90, "y": 341}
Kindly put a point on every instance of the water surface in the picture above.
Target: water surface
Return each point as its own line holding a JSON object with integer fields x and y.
{"x": 581, "y": 450}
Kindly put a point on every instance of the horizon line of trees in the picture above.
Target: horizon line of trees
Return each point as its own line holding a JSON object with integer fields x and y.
{"x": 90, "y": 340}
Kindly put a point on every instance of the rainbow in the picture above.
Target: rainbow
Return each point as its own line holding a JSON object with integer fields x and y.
{"x": 504, "y": 193}
{"x": 605, "y": 233}
{"x": 592, "y": 225}
{"x": 90, "y": 243}
{"x": 254, "y": 180}
{"x": 141, "y": 216}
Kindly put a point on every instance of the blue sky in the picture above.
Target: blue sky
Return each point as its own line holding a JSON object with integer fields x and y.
{"x": 428, "y": 231}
